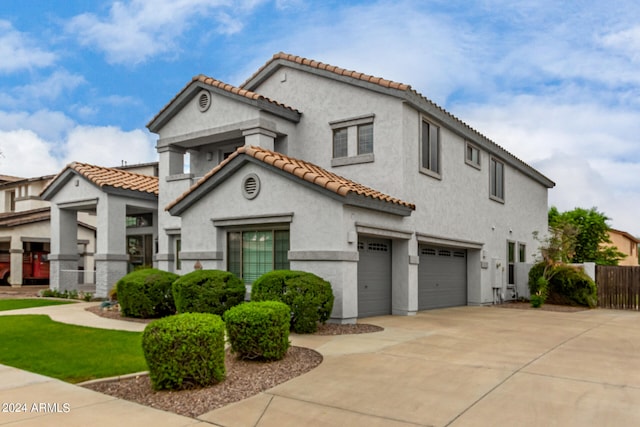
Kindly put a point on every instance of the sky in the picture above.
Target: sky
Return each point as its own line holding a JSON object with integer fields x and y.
{"x": 556, "y": 83}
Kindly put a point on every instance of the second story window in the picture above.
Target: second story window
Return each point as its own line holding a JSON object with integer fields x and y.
{"x": 472, "y": 155}
{"x": 430, "y": 149}
{"x": 496, "y": 180}
{"x": 340, "y": 138}
{"x": 352, "y": 140}
{"x": 365, "y": 139}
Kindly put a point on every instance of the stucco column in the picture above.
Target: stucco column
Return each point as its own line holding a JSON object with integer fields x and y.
{"x": 170, "y": 166}
{"x": 63, "y": 259}
{"x": 170, "y": 160}
{"x": 404, "y": 277}
{"x": 15, "y": 277}
{"x": 111, "y": 257}
{"x": 259, "y": 137}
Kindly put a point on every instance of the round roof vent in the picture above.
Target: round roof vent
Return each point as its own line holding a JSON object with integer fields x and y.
{"x": 204, "y": 101}
{"x": 251, "y": 186}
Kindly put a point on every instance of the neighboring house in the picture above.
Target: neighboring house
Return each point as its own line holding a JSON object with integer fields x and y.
{"x": 358, "y": 179}
{"x": 25, "y": 233}
{"x": 627, "y": 244}
{"x": 124, "y": 204}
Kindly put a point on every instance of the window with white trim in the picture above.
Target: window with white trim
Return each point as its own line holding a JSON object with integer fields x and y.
{"x": 496, "y": 179}
{"x": 430, "y": 149}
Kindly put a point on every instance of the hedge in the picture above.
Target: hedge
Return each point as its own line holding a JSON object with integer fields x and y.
{"x": 309, "y": 296}
{"x": 259, "y": 329}
{"x": 208, "y": 291}
{"x": 146, "y": 293}
{"x": 185, "y": 351}
{"x": 568, "y": 285}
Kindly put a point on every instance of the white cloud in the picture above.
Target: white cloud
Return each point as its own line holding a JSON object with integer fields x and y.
{"x": 626, "y": 42}
{"x": 25, "y": 154}
{"x": 135, "y": 31}
{"x": 589, "y": 150}
{"x": 50, "y": 88}
{"x": 19, "y": 52}
{"x": 109, "y": 146}
{"x": 42, "y": 143}
{"x": 49, "y": 125}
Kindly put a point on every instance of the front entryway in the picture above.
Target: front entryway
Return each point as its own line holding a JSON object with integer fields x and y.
{"x": 442, "y": 277}
{"x": 374, "y": 277}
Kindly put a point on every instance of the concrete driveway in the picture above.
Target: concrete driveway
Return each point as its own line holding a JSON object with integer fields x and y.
{"x": 468, "y": 366}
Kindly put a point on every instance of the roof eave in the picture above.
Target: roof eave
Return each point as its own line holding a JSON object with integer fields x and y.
{"x": 57, "y": 183}
{"x": 191, "y": 90}
{"x": 201, "y": 189}
{"x": 129, "y": 193}
{"x": 413, "y": 98}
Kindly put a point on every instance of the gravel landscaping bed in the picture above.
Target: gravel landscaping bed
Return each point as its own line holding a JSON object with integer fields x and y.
{"x": 244, "y": 378}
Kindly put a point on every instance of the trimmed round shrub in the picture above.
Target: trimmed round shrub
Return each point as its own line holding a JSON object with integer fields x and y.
{"x": 309, "y": 297}
{"x": 208, "y": 291}
{"x": 259, "y": 329}
{"x": 146, "y": 293}
{"x": 184, "y": 351}
{"x": 568, "y": 285}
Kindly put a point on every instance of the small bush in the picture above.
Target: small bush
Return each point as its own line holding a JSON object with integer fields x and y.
{"x": 568, "y": 285}
{"x": 54, "y": 293}
{"x": 184, "y": 351}
{"x": 309, "y": 297}
{"x": 259, "y": 330}
{"x": 146, "y": 293}
{"x": 208, "y": 291}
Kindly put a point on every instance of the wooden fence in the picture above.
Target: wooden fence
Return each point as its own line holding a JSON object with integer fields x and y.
{"x": 618, "y": 287}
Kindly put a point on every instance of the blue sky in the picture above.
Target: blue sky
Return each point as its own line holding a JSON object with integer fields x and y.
{"x": 555, "y": 83}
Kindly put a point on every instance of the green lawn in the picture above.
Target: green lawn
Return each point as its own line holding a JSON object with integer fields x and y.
{"x": 71, "y": 353}
{"x": 15, "y": 304}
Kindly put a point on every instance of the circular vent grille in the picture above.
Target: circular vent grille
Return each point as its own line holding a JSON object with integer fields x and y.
{"x": 204, "y": 101}
{"x": 250, "y": 186}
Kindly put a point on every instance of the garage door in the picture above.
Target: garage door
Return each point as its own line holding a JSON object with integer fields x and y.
{"x": 374, "y": 277}
{"x": 442, "y": 278}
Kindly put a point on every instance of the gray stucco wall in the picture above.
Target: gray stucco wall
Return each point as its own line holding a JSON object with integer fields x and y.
{"x": 455, "y": 206}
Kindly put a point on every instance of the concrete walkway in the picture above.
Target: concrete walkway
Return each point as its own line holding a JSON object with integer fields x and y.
{"x": 468, "y": 366}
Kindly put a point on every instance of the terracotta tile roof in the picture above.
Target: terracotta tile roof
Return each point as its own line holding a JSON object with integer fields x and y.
{"x": 223, "y": 86}
{"x": 12, "y": 219}
{"x": 303, "y": 170}
{"x": 403, "y": 88}
{"x": 112, "y": 177}
{"x": 332, "y": 68}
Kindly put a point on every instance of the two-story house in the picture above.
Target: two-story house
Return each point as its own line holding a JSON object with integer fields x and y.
{"x": 361, "y": 180}
{"x": 627, "y": 244}
{"x": 25, "y": 233}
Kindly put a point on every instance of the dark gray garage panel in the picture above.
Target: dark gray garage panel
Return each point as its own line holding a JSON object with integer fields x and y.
{"x": 374, "y": 277}
{"x": 442, "y": 277}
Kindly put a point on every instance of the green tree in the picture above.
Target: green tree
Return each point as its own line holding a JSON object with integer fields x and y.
{"x": 583, "y": 235}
